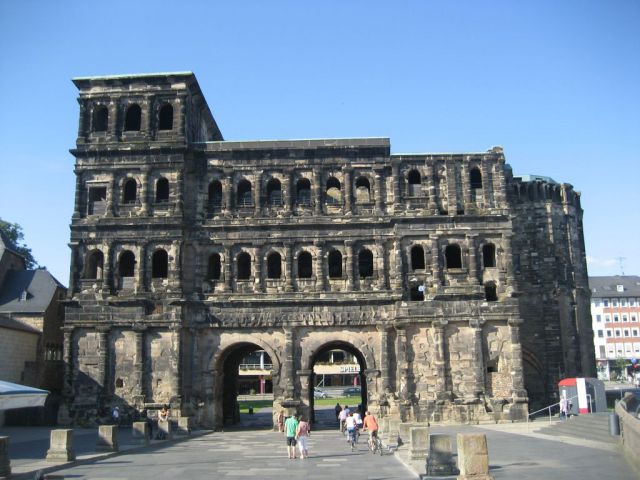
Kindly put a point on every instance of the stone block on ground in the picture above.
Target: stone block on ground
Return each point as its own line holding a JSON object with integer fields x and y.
{"x": 403, "y": 432}
{"x": 61, "y": 446}
{"x": 140, "y": 432}
{"x": 5, "y": 462}
{"x": 107, "y": 438}
{"x": 440, "y": 456}
{"x": 165, "y": 431}
{"x": 392, "y": 431}
{"x": 473, "y": 457}
{"x": 419, "y": 446}
{"x": 184, "y": 426}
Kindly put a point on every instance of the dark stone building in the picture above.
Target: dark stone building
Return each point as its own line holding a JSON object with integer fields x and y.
{"x": 461, "y": 290}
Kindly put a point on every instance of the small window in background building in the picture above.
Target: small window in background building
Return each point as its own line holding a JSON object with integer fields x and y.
{"x": 606, "y": 303}
{"x": 614, "y": 302}
{"x": 608, "y": 333}
{"x": 600, "y": 333}
{"x": 623, "y": 302}
{"x": 598, "y": 318}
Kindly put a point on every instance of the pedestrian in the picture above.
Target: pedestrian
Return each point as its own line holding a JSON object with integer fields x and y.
{"x": 290, "y": 427}
{"x": 564, "y": 407}
{"x": 352, "y": 429}
{"x": 163, "y": 419}
{"x": 338, "y": 409}
{"x": 280, "y": 421}
{"x": 115, "y": 416}
{"x": 303, "y": 432}
{"x": 342, "y": 417}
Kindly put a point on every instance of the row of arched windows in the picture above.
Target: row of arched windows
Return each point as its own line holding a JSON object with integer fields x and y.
{"x": 126, "y": 265}
{"x": 132, "y": 118}
{"x": 414, "y": 181}
{"x": 130, "y": 191}
{"x": 452, "y": 256}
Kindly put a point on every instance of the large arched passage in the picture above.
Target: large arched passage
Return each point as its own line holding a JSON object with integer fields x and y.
{"x": 337, "y": 370}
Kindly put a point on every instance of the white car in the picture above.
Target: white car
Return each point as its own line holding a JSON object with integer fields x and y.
{"x": 317, "y": 393}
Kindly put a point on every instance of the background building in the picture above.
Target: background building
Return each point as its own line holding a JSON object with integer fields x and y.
{"x": 460, "y": 289}
{"x": 615, "y": 313}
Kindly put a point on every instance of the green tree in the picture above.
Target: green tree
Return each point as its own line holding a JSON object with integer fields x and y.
{"x": 13, "y": 232}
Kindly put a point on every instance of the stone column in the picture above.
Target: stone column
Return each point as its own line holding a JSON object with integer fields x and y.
{"x": 67, "y": 356}
{"x": 350, "y": 265}
{"x": 518, "y": 391}
{"x": 5, "y": 463}
{"x": 179, "y": 197}
{"x": 257, "y": 190}
{"x": 228, "y": 192}
{"x": 401, "y": 363}
{"x": 258, "y": 284}
{"x": 382, "y": 266}
{"x": 321, "y": 274}
{"x": 452, "y": 190}
{"x": 144, "y": 192}
{"x": 477, "y": 355}
{"x": 103, "y": 358}
{"x": 436, "y": 265}
{"x": 397, "y": 198}
{"x": 473, "y": 259}
{"x": 228, "y": 264}
{"x": 430, "y": 173}
{"x": 288, "y": 267}
{"x": 287, "y": 194}
{"x": 111, "y": 192}
{"x": 73, "y": 274}
{"x": 378, "y": 182}
{"x": 348, "y": 188}
{"x": 396, "y": 277}
{"x": 176, "y": 365}
{"x": 107, "y": 279}
{"x": 507, "y": 260}
{"x": 441, "y": 383}
{"x": 317, "y": 191}
{"x": 138, "y": 364}
{"x": 141, "y": 273}
{"x": 304, "y": 377}
{"x": 77, "y": 207}
{"x": 486, "y": 189}
{"x": 289, "y": 363}
{"x": 84, "y": 121}
{"x": 384, "y": 357}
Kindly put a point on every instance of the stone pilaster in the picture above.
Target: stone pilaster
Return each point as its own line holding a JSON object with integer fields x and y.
{"x": 103, "y": 358}
{"x": 486, "y": 189}
{"x": 176, "y": 364}
{"x": 349, "y": 248}
{"x": 378, "y": 183}
{"x": 396, "y": 256}
{"x": 228, "y": 268}
{"x": 107, "y": 279}
{"x": 287, "y": 192}
{"x": 67, "y": 356}
{"x": 227, "y": 192}
{"x": 288, "y": 267}
{"x": 473, "y": 259}
{"x": 144, "y": 192}
{"x": 384, "y": 357}
{"x": 111, "y": 201}
{"x": 441, "y": 383}
{"x": 289, "y": 363}
{"x": 77, "y": 204}
{"x": 317, "y": 191}
{"x": 402, "y": 373}
{"x": 382, "y": 266}
{"x": 179, "y": 193}
{"x": 141, "y": 270}
{"x": 429, "y": 177}
{"x": 477, "y": 355}
{"x": 138, "y": 363}
{"x": 517, "y": 371}
{"x": 257, "y": 191}
{"x": 73, "y": 273}
{"x": 397, "y": 196}
{"x": 348, "y": 190}
{"x": 321, "y": 271}
{"x": 258, "y": 284}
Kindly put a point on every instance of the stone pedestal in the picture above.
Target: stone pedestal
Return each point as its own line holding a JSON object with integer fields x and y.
{"x": 440, "y": 459}
{"x": 419, "y": 443}
{"x": 5, "y": 463}
{"x": 61, "y": 446}
{"x": 107, "y": 438}
{"x": 165, "y": 427}
{"x": 404, "y": 432}
{"x": 393, "y": 431}
{"x": 473, "y": 457}
{"x": 184, "y": 426}
{"x": 140, "y": 432}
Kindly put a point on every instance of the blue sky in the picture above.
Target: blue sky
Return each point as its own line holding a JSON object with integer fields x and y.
{"x": 557, "y": 84}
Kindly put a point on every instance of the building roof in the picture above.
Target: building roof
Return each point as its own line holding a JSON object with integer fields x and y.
{"x": 608, "y": 286}
{"x": 10, "y": 323}
{"x": 28, "y": 291}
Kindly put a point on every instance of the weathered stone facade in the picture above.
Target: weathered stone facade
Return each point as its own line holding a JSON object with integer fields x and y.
{"x": 456, "y": 285}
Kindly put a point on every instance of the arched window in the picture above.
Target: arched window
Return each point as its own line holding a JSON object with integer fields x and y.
{"x": 305, "y": 265}
{"x": 417, "y": 258}
{"x": 490, "y": 292}
{"x": 363, "y": 190}
{"x": 489, "y": 255}
{"x": 100, "y": 119}
{"x": 162, "y": 190}
{"x": 94, "y": 265}
{"x": 274, "y": 192}
{"x": 334, "y": 195}
{"x": 244, "y": 266}
{"x": 335, "y": 264}
{"x": 243, "y": 194}
{"x": 365, "y": 263}
{"x": 159, "y": 264}
{"x": 303, "y": 192}
{"x": 453, "y": 256}
{"x": 215, "y": 194}
{"x": 475, "y": 178}
{"x": 129, "y": 191}
{"x": 165, "y": 118}
{"x": 274, "y": 265}
{"x": 213, "y": 267}
{"x": 127, "y": 264}
{"x": 415, "y": 183}
{"x": 132, "y": 118}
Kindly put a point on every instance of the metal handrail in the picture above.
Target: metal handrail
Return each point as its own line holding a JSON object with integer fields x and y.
{"x": 549, "y": 407}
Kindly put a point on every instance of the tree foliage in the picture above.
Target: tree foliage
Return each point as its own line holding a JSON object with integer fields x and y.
{"x": 13, "y": 232}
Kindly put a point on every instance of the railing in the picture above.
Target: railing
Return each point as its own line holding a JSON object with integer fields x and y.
{"x": 256, "y": 366}
{"x": 549, "y": 407}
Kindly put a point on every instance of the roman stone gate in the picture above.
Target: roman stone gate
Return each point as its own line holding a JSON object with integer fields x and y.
{"x": 460, "y": 288}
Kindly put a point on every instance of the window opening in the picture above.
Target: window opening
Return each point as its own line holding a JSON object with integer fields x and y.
{"x": 363, "y": 190}
{"x": 215, "y": 195}
{"x": 95, "y": 262}
{"x": 244, "y": 266}
{"x": 162, "y": 190}
{"x": 165, "y": 118}
{"x": 305, "y": 265}
{"x": 274, "y": 192}
{"x": 416, "y": 293}
{"x": 132, "y": 118}
{"x": 365, "y": 263}
{"x": 417, "y": 258}
{"x": 213, "y": 267}
{"x": 274, "y": 265}
{"x": 475, "y": 178}
{"x": 159, "y": 264}
{"x": 453, "y": 256}
{"x": 490, "y": 292}
{"x": 335, "y": 264}
{"x": 415, "y": 183}
{"x": 244, "y": 194}
{"x": 489, "y": 255}
{"x": 129, "y": 194}
{"x": 334, "y": 196}
{"x": 303, "y": 192}
{"x": 100, "y": 119}
{"x": 126, "y": 265}
{"x": 97, "y": 201}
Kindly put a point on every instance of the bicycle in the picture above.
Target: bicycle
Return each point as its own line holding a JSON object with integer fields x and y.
{"x": 375, "y": 444}
{"x": 352, "y": 439}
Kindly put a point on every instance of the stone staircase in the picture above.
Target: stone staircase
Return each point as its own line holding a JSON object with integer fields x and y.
{"x": 593, "y": 426}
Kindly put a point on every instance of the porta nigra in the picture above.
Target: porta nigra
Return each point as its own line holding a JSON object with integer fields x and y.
{"x": 460, "y": 288}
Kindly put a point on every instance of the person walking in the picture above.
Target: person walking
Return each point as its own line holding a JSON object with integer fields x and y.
{"x": 290, "y": 428}
{"x": 280, "y": 421}
{"x": 352, "y": 430}
{"x": 564, "y": 407}
{"x": 342, "y": 417}
{"x": 303, "y": 432}
{"x": 338, "y": 409}
{"x": 115, "y": 416}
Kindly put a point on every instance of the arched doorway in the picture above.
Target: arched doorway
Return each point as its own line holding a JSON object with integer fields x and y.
{"x": 245, "y": 387}
{"x": 338, "y": 371}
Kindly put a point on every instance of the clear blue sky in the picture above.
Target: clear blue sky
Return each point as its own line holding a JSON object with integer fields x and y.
{"x": 557, "y": 84}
